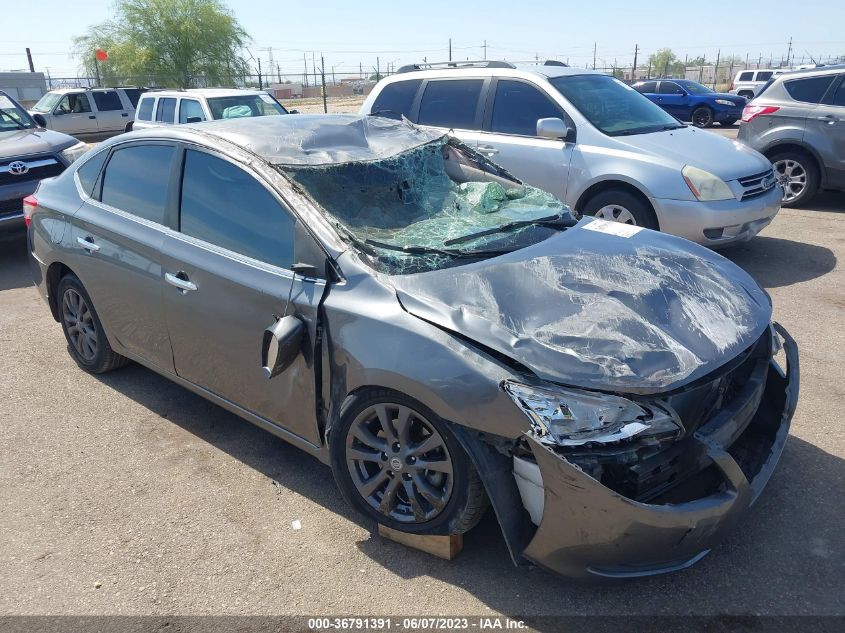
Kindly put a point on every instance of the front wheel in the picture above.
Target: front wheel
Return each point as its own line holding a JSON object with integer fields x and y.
{"x": 398, "y": 463}
{"x": 618, "y": 205}
{"x": 702, "y": 117}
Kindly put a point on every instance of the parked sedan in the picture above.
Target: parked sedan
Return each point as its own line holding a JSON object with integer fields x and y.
{"x": 690, "y": 101}
{"x": 441, "y": 334}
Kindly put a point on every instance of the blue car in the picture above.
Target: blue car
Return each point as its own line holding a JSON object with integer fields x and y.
{"x": 690, "y": 101}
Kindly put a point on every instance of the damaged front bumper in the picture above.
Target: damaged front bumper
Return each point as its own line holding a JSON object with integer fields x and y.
{"x": 588, "y": 529}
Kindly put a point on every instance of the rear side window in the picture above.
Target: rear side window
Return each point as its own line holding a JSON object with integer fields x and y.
{"x": 839, "y": 96}
{"x": 810, "y": 90}
{"x": 649, "y": 86}
{"x": 107, "y": 101}
{"x": 451, "y": 103}
{"x": 764, "y": 75}
{"x": 133, "y": 94}
{"x": 397, "y": 97}
{"x": 166, "y": 109}
{"x": 136, "y": 180}
{"x": 518, "y": 106}
{"x": 88, "y": 173}
{"x": 669, "y": 88}
{"x": 746, "y": 76}
{"x": 224, "y": 205}
{"x": 189, "y": 108}
{"x": 145, "y": 110}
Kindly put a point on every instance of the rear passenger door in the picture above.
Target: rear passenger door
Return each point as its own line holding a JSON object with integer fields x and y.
{"x": 112, "y": 116}
{"x": 826, "y": 125}
{"x": 116, "y": 239}
{"x": 453, "y": 105}
{"x": 509, "y": 137}
{"x": 166, "y": 110}
{"x": 227, "y": 278}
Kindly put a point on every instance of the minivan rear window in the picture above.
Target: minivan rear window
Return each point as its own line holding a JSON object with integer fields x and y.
{"x": 450, "y": 103}
{"x": 809, "y": 90}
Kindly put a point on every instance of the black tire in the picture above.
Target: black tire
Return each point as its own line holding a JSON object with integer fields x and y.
{"x": 727, "y": 122}
{"x": 467, "y": 500}
{"x": 643, "y": 214}
{"x": 99, "y": 357}
{"x": 128, "y": 127}
{"x": 806, "y": 163}
{"x": 747, "y": 94}
{"x": 702, "y": 116}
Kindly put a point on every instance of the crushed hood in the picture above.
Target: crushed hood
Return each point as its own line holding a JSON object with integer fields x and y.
{"x": 726, "y": 159}
{"x": 639, "y": 314}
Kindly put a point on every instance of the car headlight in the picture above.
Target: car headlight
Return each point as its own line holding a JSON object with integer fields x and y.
{"x": 72, "y": 153}
{"x": 573, "y": 418}
{"x": 705, "y": 186}
{"x": 725, "y": 102}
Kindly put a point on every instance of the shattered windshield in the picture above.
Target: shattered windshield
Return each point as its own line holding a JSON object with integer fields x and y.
{"x": 430, "y": 207}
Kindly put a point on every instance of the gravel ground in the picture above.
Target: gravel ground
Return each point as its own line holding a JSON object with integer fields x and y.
{"x": 125, "y": 494}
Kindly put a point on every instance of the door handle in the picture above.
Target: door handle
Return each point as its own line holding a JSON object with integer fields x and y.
{"x": 88, "y": 244}
{"x": 828, "y": 118}
{"x": 91, "y": 116}
{"x": 180, "y": 280}
{"x": 124, "y": 114}
{"x": 488, "y": 149}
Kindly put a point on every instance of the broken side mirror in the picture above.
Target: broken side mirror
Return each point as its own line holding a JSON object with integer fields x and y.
{"x": 282, "y": 344}
{"x": 555, "y": 128}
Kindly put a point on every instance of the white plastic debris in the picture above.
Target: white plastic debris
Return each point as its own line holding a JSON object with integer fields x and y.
{"x": 296, "y": 524}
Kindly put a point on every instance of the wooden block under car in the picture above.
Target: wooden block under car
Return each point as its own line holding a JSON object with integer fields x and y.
{"x": 446, "y": 547}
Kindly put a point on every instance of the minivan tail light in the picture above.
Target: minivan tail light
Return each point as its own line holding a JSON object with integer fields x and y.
{"x": 752, "y": 111}
{"x": 29, "y": 205}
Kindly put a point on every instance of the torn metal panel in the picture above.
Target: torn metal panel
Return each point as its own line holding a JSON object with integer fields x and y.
{"x": 637, "y": 314}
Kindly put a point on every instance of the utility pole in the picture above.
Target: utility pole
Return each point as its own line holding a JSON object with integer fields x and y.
{"x": 314, "y": 66}
{"x": 450, "y": 49}
{"x": 789, "y": 52}
{"x": 97, "y": 67}
{"x": 29, "y": 59}
{"x": 323, "y": 75}
{"x": 484, "y": 47}
{"x": 378, "y": 72}
{"x": 594, "y": 55}
{"x": 716, "y": 68}
{"x": 360, "y": 70}
{"x": 634, "y": 73}
{"x": 260, "y": 82}
{"x": 305, "y": 74}
{"x": 278, "y": 72}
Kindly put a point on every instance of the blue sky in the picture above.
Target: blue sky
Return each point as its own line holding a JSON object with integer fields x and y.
{"x": 349, "y": 33}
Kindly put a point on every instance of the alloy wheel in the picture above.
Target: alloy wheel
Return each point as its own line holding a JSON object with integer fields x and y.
{"x": 792, "y": 177}
{"x": 399, "y": 463}
{"x": 616, "y": 213}
{"x": 79, "y": 324}
{"x": 702, "y": 117}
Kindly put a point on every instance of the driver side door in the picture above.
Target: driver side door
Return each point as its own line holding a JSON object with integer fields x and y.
{"x": 674, "y": 99}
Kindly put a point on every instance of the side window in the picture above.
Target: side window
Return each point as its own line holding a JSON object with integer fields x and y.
{"x": 648, "y": 87}
{"x": 224, "y": 205}
{"x": 748, "y": 75}
{"x": 450, "y": 103}
{"x": 810, "y": 90}
{"x": 764, "y": 75}
{"x": 89, "y": 172}
{"x": 133, "y": 94}
{"x": 136, "y": 180}
{"x": 397, "y": 97}
{"x": 669, "y": 88}
{"x": 517, "y": 107}
{"x": 145, "y": 110}
{"x": 839, "y": 96}
{"x": 190, "y": 108}
{"x": 74, "y": 104}
{"x": 166, "y": 109}
{"x": 106, "y": 101}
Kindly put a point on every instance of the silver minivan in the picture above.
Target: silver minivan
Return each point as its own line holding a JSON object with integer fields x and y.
{"x": 594, "y": 142}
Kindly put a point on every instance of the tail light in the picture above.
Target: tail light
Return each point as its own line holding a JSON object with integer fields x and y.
{"x": 29, "y": 205}
{"x": 752, "y": 111}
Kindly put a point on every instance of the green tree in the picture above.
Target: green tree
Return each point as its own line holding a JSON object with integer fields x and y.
{"x": 663, "y": 62}
{"x": 176, "y": 43}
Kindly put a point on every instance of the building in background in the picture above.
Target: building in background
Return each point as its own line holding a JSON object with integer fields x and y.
{"x": 24, "y": 87}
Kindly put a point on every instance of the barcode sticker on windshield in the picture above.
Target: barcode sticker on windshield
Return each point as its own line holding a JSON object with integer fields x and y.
{"x": 613, "y": 228}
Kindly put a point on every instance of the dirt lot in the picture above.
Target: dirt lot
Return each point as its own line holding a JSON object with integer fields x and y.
{"x": 125, "y": 494}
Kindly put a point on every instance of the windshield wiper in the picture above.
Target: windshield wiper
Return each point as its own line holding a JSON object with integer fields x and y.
{"x": 430, "y": 250}
{"x": 558, "y": 220}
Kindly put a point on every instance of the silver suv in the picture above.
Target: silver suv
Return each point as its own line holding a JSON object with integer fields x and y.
{"x": 594, "y": 142}
{"x": 89, "y": 113}
{"x": 798, "y": 122}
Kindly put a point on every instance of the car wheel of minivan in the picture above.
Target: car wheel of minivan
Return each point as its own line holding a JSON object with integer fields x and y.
{"x": 397, "y": 462}
{"x": 798, "y": 174}
{"x": 702, "y": 116}
{"x": 618, "y": 205}
{"x": 86, "y": 339}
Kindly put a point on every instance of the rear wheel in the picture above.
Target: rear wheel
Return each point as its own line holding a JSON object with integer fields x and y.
{"x": 618, "y": 205}
{"x": 398, "y": 463}
{"x": 86, "y": 339}
{"x": 702, "y": 116}
{"x": 798, "y": 174}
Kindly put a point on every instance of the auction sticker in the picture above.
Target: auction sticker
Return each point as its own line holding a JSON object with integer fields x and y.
{"x": 612, "y": 228}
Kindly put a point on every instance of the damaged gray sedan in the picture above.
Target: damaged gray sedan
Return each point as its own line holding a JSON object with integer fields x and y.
{"x": 444, "y": 336}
